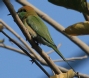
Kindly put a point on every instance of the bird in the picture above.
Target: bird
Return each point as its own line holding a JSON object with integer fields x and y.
{"x": 37, "y": 29}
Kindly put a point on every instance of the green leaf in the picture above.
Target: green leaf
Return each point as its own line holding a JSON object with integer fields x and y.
{"x": 81, "y": 28}
{"x": 78, "y": 5}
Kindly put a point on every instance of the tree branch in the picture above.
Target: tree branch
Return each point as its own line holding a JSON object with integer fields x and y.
{"x": 72, "y": 59}
{"x": 85, "y": 15}
{"x": 11, "y": 48}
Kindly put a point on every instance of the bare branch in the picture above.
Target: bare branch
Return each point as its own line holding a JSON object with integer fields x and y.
{"x": 11, "y": 48}
{"x": 57, "y": 26}
{"x": 86, "y": 16}
{"x": 17, "y": 50}
{"x": 72, "y": 59}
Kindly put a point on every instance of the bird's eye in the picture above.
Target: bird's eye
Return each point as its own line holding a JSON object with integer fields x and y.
{"x": 23, "y": 10}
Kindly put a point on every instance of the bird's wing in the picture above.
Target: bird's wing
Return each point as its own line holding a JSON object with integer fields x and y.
{"x": 40, "y": 28}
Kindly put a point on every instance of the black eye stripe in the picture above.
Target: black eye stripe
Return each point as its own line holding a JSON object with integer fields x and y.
{"x": 23, "y": 10}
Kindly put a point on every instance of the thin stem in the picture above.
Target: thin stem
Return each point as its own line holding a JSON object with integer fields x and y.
{"x": 72, "y": 59}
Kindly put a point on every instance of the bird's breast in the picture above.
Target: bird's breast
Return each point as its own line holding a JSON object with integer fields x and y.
{"x": 30, "y": 30}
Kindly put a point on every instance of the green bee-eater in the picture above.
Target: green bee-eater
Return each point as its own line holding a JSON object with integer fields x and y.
{"x": 37, "y": 29}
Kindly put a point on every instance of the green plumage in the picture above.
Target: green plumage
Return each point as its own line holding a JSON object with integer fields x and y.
{"x": 37, "y": 28}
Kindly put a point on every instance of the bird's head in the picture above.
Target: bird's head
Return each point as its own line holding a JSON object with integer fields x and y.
{"x": 25, "y": 11}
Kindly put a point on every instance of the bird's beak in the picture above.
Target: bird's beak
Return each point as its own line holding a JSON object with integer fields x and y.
{"x": 10, "y": 14}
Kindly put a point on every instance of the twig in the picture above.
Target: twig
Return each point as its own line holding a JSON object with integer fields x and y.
{"x": 86, "y": 17}
{"x": 57, "y": 26}
{"x": 72, "y": 59}
{"x": 34, "y": 60}
{"x": 11, "y": 48}
{"x": 28, "y": 37}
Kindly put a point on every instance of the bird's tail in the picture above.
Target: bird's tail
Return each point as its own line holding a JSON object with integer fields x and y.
{"x": 59, "y": 53}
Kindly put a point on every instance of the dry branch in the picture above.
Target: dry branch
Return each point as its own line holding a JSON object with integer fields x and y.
{"x": 72, "y": 59}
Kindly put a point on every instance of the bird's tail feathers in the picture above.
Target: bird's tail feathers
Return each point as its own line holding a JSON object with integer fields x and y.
{"x": 59, "y": 53}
